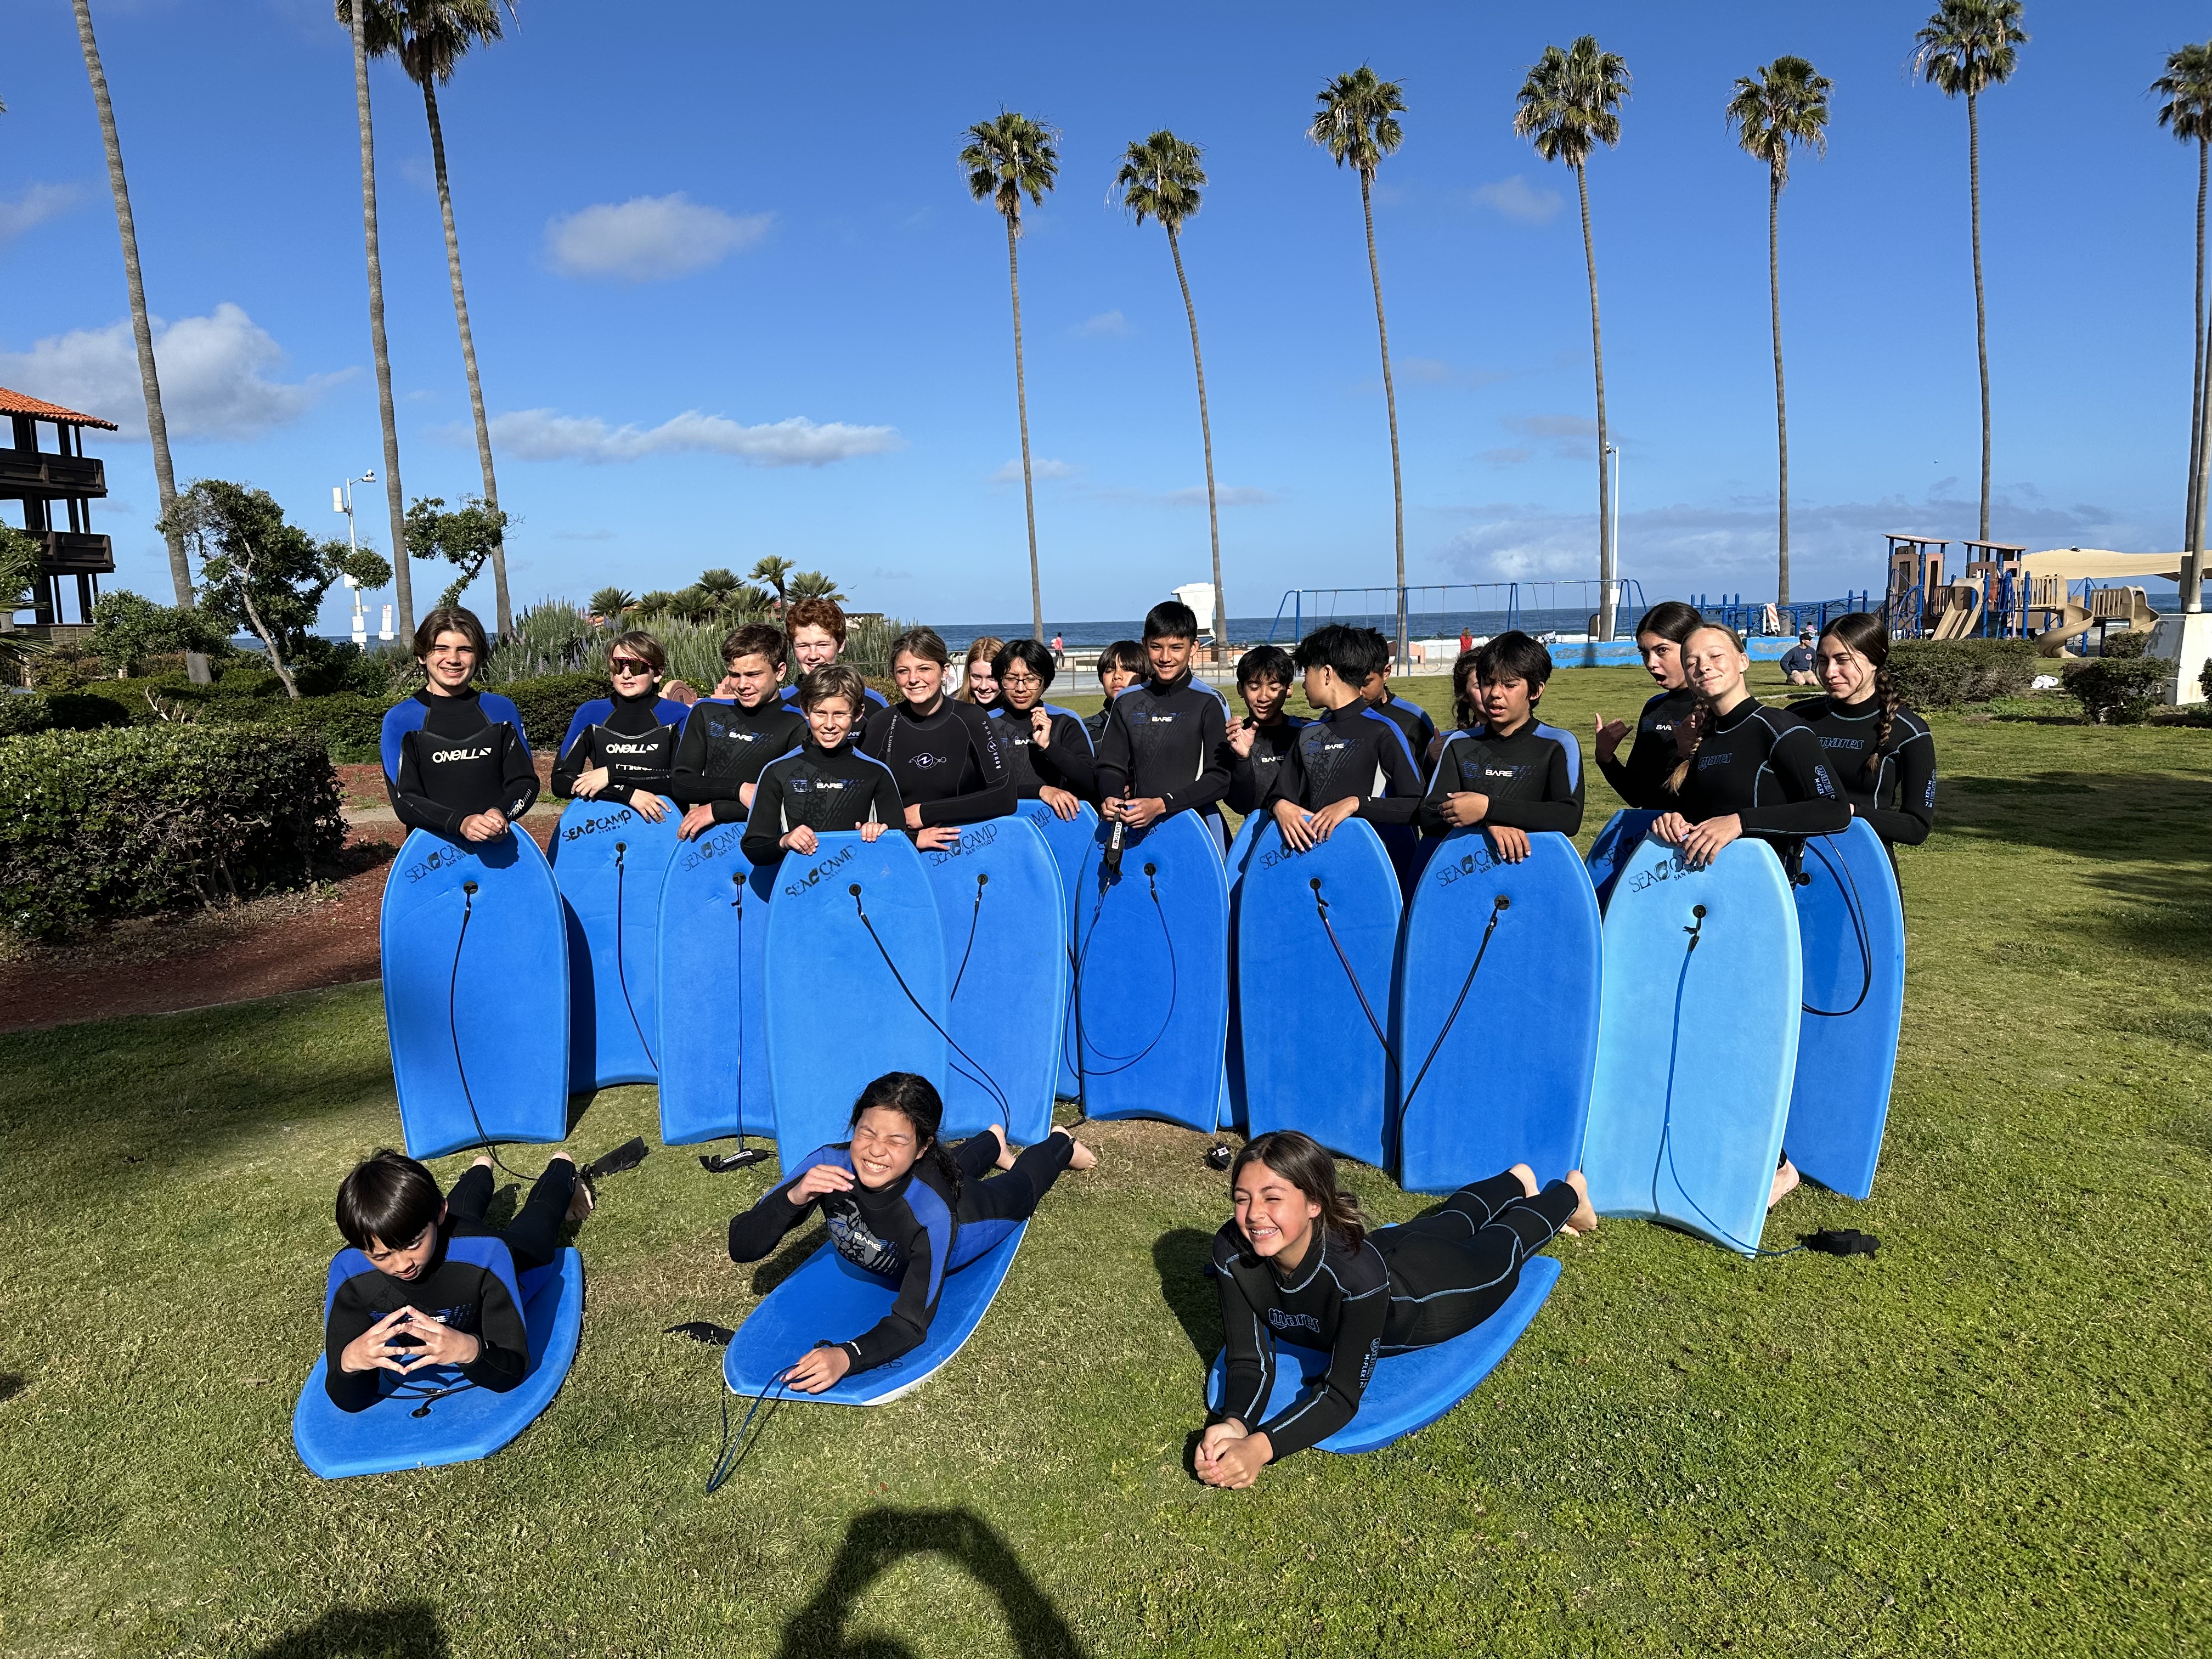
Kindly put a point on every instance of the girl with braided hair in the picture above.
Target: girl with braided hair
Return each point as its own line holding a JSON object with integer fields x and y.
{"x": 1882, "y": 753}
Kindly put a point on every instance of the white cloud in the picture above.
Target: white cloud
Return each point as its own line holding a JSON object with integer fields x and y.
{"x": 649, "y": 238}
{"x": 1107, "y": 325}
{"x": 1515, "y": 198}
{"x": 546, "y": 434}
{"x": 212, "y": 384}
{"x": 1040, "y": 468}
{"x": 35, "y": 207}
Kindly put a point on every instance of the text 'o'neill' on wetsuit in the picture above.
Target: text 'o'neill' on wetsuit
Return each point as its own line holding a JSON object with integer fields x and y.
{"x": 1065, "y": 763}
{"x": 946, "y": 761}
{"x": 1355, "y": 750}
{"x": 1765, "y": 765}
{"x": 1641, "y": 780}
{"x": 726, "y": 746}
{"x": 825, "y": 790}
{"x": 1252, "y": 776}
{"x": 634, "y": 738}
{"x": 1533, "y": 776}
{"x": 1162, "y": 741}
{"x": 450, "y": 758}
{"x": 1896, "y": 794}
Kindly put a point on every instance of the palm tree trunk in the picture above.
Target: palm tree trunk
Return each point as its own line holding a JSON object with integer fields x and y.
{"x": 2200, "y": 479}
{"x": 1605, "y": 600}
{"x": 1390, "y": 399}
{"x": 1981, "y": 309}
{"x": 468, "y": 355}
{"x": 150, "y": 380}
{"x": 401, "y": 579}
{"x": 1781, "y": 408}
{"x": 1021, "y": 402}
{"x": 1206, "y": 432}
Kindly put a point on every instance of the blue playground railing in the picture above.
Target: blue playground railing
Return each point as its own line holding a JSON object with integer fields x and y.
{"x": 1747, "y": 617}
{"x": 1517, "y": 602}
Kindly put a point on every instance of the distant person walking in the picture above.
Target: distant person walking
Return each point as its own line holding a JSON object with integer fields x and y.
{"x": 1467, "y": 639}
{"x": 1058, "y": 653}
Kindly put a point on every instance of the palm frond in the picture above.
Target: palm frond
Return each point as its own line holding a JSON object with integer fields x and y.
{"x": 1786, "y": 105}
{"x": 1968, "y": 46}
{"x": 2186, "y": 86}
{"x": 1569, "y": 102}
{"x": 1357, "y": 123}
{"x": 1008, "y": 158}
{"x": 1161, "y": 178}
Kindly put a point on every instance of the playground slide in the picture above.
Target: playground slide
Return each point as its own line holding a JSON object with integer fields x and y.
{"x": 1961, "y": 613}
{"x": 2072, "y": 621}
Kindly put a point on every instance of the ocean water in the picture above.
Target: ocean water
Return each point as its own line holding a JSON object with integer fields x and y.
{"x": 1254, "y": 630}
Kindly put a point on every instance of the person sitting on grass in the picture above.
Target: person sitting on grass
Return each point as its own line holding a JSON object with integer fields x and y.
{"x": 943, "y": 753}
{"x": 1503, "y": 769}
{"x": 1295, "y": 1256}
{"x": 817, "y": 629}
{"x": 900, "y": 1205}
{"x": 1161, "y": 753}
{"x": 1801, "y": 663}
{"x": 1641, "y": 780}
{"x": 1257, "y": 743}
{"x": 729, "y": 738}
{"x": 1121, "y": 666}
{"x": 415, "y": 1308}
{"x": 623, "y": 748}
{"x": 1354, "y": 760}
{"x": 455, "y": 759}
{"x": 825, "y": 784}
{"x": 1047, "y": 750}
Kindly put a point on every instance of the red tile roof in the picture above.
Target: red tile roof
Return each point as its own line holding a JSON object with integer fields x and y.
{"x": 15, "y": 402}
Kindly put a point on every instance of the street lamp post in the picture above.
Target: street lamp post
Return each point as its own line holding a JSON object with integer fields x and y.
{"x": 1609, "y": 599}
{"x": 341, "y": 501}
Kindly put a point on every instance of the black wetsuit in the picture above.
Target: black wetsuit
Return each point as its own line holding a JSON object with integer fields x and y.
{"x": 450, "y": 758}
{"x": 634, "y": 738}
{"x": 1534, "y": 778}
{"x": 913, "y": 1231}
{"x": 1415, "y": 721}
{"x": 1357, "y": 749}
{"x": 460, "y": 1294}
{"x": 1067, "y": 763}
{"x": 824, "y": 789}
{"x": 1251, "y": 777}
{"x": 1641, "y": 780}
{"x": 1096, "y": 725}
{"x": 1405, "y": 1287}
{"x": 1765, "y": 766}
{"x": 725, "y": 746}
{"x": 1905, "y": 776}
{"x": 948, "y": 761}
{"x": 872, "y": 702}
{"x": 1163, "y": 740}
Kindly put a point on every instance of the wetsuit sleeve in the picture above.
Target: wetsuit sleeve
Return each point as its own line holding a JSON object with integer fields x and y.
{"x": 764, "y": 828}
{"x": 1332, "y": 1402}
{"x": 1207, "y": 788}
{"x": 688, "y": 782}
{"x": 994, "y": 796}
{"x": 1560, "y": 806}
{"x": 1248, "y": 1352}
{"x": 1908, "y": 822}
{"x": 1068, "y": 763}
{"x": 1431, "y": 818}
{"x": 1401, "y": 777}
{"x": 904, "y": 1327}
{"x": 1811, "y": 803}
{"x": 1290, "y": 780}
{"x": 884, "y": 801}
{"x": 574, "y": 760}
{"x": 349, "y": 1316}
{"x": 755, "y": 1232}
{"x": 1113, "y": 765}
{"x": 518, "y": 780}
{"x": 411, "y": 800}
{"x": 503, "y": 1355}
{"x": 1627, "y": 777}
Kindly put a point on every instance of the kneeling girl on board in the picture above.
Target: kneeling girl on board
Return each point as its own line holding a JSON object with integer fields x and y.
{"x": 824, "y": 785}
{"x": 1504, "y": 768}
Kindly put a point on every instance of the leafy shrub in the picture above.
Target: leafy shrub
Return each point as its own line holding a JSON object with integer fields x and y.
{"x": 548, "y": 704}
{"x": 101, "y": 825}
{"x": 21, "y": 715}
{"x": 350, "y": 727}
{"x": 84, "y": 711}
{"x": 2118, "y": 691}
{"x": 2127, "y": 642}
{"x": 1952, "y": 673}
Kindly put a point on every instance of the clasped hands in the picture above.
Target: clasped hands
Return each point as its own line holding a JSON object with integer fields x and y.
{"x": 435, "y": 1344}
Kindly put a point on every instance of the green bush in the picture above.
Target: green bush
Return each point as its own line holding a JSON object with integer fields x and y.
{"x": 21, "y": 715}
{"x": 2126, "y": 642}
{"x": 351, "y": 726}
{"x": 2118, "y": 691}
{"x": 548, "y": 704}
{"x": 1952, "y": 673}
{"x": 85, "y": 711}
{"x": 101, "y": 825}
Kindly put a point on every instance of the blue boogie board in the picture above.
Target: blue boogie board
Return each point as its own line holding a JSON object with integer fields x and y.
{"x": 1152, "y": 987}
{"x": 1407, "y": 1391}
{"x": 1484, "y": 938}
{"x": 1852, "y": 923}
{"x": 1069, "y": 839}
{"x": 476, "y": 992}
{"x": 829, "y": 1298}
{"x": 392, "y": 1434}
{"x": 712, "y": 1050}
{"x": 1696, "y": 1046}
{"x": 1335, "y": 1086}
{"x": 837, "y": 1017}
{"x": 611, "y": 862}
{"x": 1623, "y": 834}
{"x": 1004, "y": 913}
{"x": 1234, "y": 1109}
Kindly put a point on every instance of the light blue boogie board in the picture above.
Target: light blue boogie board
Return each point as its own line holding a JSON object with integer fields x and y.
{"x": 1696, "y": 1042}
{"x": 1068, "y": 839}
{"x": 1623, "y": 834}
{"x": 1234, "y": 1106}
{"x": 610, "y": 861}
{"x": 1851, "y": 925}
{"x": 842, "y": 991}
{"x": 476, "y": 992}
{"x": 712, "y": 1049}
{"x": 1489, "y": 943}
{"x": 1152, "y": 987}
{"x": 1003, "y": 911}
{"x": 1321, "y": 926}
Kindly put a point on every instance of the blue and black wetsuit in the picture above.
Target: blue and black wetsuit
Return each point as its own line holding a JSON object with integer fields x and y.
{"x": 1533, "y": 776}
{"x": 450, "y": 758}
{"x": 1896, "y": 795}
{"x": 1067, "y": 763}
{"x": 826, "y": 790}
{"x": 873, "y": 702}
{"x": 1252, "y": 776}
{"x": 1357, "y": 749}
{"x": 1163, "y": 740}
{"x": 912, "y": 1232}
{"x": 947, "y": 762}
{"x": 1405, "y": 1287}
{"x": 1765, "y": 766}
{"x": 725, "y": 746}
{"x": 1415, "y": 721}
{"x": 1641, "y": 780}
{"x": 634, "y": 738}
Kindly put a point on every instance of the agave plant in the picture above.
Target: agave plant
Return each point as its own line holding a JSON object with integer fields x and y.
{"x": 610, "y": 603}
{"x": 813, "y": 584}
{"x": 551, "y": 637}
{"x": 658, "y": 603}
{"x": 694, "y": 604}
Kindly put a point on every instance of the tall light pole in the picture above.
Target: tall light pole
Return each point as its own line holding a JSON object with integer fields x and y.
{"x": 1610, "y": 602}
{"x": 341, "y": 501}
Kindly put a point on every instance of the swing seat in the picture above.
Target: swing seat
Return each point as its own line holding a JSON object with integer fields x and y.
{"x": 461, "y": 1427}
{"x": 830, "y": 1299}
{"x": 1407, "y": 1391}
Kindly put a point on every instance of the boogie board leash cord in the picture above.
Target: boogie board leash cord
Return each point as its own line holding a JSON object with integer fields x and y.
{"x": 732, "y": 1454}
{"x": 453, "y": 1030}
{"x": 622, "y": 972}
{"x": 1499, "y": 907}
{"x": 1084, "y": 1044}
{"x": 1321, "y": 908}
{"x": 1848, "y": 886}
{"x": 975, "y": 920}
{"x": 978, "y": 1075}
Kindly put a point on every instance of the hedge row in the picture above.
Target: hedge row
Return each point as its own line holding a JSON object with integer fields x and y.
{"x": 2118, "y": 691}
{"x": 1952, "y": 673}
{"x": 101, "y": 825}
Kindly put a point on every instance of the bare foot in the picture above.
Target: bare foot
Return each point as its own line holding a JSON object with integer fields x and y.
{"x": 580, "y": 1200}
{"x": 1006, "y": 1148}
{"x": 1785, "y": 1178}
{"x": 1584, "y": 1219}
{"x": 482, "y": 1162}
{"x": 1081, "y": 1157}
{"x": 1527, "y": 1178}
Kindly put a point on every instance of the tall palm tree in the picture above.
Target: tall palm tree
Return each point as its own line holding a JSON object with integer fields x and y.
{"x": 1005, "y": 160}
{"x": 1786, "y": 105}
{"x": 1569, "y": 104}
{"x": 1358, "y": 125}
{"x": 775, "y": 571}
{"x": 2186, "y": 86}
{"x": 1967, "y": 48}
{"x": 403, "y": 585}
{"x": 1161, "y": 178}
{"x": 142, "y": 329}
{"x": 429, "y": 37}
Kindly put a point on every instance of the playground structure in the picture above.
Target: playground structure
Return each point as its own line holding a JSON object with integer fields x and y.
{"x": 2006, "y": 592}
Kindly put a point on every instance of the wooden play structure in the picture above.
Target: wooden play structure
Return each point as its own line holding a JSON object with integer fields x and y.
{"x": 57, "y": 488}
{"x": 2008, "y": 592}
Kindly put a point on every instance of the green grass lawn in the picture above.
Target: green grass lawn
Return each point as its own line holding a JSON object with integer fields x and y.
{"x": 1991, "y": 1438}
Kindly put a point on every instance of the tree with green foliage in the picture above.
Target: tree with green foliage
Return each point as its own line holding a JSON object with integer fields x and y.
{"x": 610, "y": 603}
{"x": 2186, "y": 86}
{"x": 723, "y": 584}
{"x": 1007, "y": 158}
{"x": 1358, "y": 125}
{"x": 259, "y": 573}
{"x": 658, "y": 603}
{"x": 1966, "y": 48}
{"x": 775, "y": 572}
{"x": 467, "y": 537}
{"x": 1569, "y": 104}
{"x": 20, "y": 552}
{"x": 1785, "y": 106}
{"x": 128, "y": 627}
{"x": 1162, "y": 178}
{"x": 814, "y": 585}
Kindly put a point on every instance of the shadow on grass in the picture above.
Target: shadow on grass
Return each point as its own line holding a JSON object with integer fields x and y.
{"x": 788, "y": 1259}
{"x": 405, "y": 1630}
{"x": 879, "y": 1540}
{"x": 1180, "y": 1256}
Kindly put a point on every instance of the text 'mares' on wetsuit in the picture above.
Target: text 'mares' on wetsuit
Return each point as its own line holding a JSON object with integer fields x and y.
{"x": 1534, "y": 778}
{"x": 826, "y": 790}
{"x": 1765, "y": 766}
{"x": 726, "y": 746}
{"x": 450, "y": 758}
{"x": 1355, "y": 750}
{"x": 1641, "y": 780}
{"x": 1896, "y": 797}
{"x": 1067, "y": 763}
{"x": 1164, "y": 741}
{"x": 947, "y": 762}
{"x": 634, "y": 738}
{"x": 1251, "y": 777}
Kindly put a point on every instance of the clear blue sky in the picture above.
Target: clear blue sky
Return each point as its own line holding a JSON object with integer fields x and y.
{"x": 821, "y": 263}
